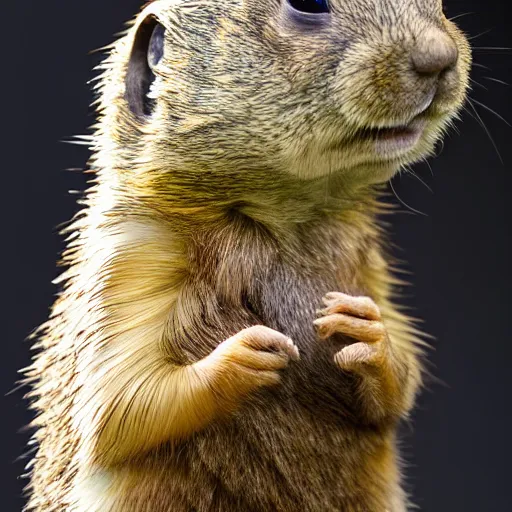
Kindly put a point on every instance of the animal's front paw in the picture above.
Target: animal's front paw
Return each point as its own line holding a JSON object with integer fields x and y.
{"x": 360, "y": 319}
{"x": 251, "y": 359}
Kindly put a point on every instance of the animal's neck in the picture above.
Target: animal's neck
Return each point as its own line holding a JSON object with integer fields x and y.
{"x": 235, "y": 223}
{"x": 240, "y": 249}
{"x": 275, "y": 200}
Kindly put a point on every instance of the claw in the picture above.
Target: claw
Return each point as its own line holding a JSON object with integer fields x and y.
{"x": 369, "y": 331}
{"x": 354, "y": 355}
{"x": 360, "y": 307}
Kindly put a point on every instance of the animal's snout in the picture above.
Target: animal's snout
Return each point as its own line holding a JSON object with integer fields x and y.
{"x": 435, "y": 52}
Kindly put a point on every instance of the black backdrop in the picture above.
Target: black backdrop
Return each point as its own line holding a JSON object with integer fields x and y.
{"x": 458, "y": 449}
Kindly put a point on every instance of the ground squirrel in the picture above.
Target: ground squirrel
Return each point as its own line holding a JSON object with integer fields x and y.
{"x": 225, "y": 338}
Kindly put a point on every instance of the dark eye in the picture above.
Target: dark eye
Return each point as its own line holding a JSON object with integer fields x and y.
{"x": 147, "y": 52}
{"x": 156, "y": 46}
{"x": 310, "y": 6}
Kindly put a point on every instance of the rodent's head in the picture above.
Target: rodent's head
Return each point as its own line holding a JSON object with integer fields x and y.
{"x": 304, "y": 87}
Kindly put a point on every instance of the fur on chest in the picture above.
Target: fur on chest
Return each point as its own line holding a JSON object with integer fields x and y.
{"x": 240, "y": 275}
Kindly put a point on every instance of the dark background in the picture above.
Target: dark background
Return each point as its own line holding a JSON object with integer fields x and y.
{"x": 458, "y": 449}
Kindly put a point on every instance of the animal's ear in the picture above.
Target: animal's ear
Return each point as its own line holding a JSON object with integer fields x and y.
{"x": 147, "y": 51}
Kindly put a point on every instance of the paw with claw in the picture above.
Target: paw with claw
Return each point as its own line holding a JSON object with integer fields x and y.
{"x": 382, "y": 388}
{"x": 360, "y": 319}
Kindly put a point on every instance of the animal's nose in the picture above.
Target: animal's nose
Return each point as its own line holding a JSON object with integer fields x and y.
{"x": 434, "y": 53}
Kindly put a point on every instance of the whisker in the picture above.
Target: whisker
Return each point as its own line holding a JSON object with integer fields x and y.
{"x": 491, "y": 49}
{"x": 441, "y": 147}
{"x": 491, "y": 111}
{"x": 479, "y": 35}
{"x": 482, "y": 124}
{"x": 429, "y": 166}
{"x": 477, "y": 65}
{"x": 408, "y": 170}
{"x": 410, "y": 208}
{"x": 470, "y": 113}
{"x": 472, "y": 80}
{"x": 496, "y": 80}
{"x": 460, "y": 16}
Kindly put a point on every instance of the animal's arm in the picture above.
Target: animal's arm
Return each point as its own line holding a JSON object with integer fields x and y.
{"x": 406, "y": 343}
{"x": 385, "y": 355}
{"x": 148, "y": 401}
{"x": 404, "y": 339}
{"x": 132, "y": 398}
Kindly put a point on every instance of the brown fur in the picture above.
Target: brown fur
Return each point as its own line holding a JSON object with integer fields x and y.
{"x": 242, "y": 201}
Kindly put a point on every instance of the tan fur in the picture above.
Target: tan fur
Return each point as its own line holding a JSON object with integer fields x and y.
{"x": 189, "y": 363}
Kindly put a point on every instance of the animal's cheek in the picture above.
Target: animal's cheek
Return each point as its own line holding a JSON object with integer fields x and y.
{"x": 369, "y": 82}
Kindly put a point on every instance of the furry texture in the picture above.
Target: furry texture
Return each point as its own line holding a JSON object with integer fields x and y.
{"x": 181, "y": 368}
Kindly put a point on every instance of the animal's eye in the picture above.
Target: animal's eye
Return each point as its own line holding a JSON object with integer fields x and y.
{"x": 310, "y": 6}
{"x": 147, "y": 52}
{"x": 156, "y": 46}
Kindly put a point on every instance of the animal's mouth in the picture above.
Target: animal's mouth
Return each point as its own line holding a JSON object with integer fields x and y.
{"x": 394, "y": 132}
{"x": 395, "y": 139}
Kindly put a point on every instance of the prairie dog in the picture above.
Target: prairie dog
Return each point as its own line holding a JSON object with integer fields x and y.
{"x": 225, "y": 338}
